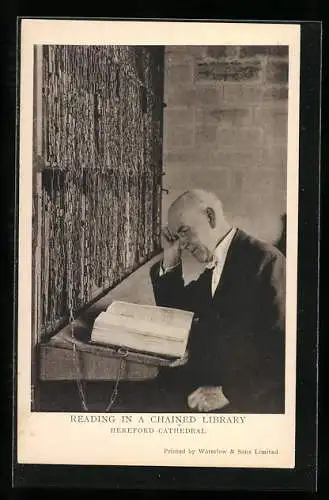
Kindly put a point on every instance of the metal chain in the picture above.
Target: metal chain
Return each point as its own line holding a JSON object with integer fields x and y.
{"x": 79, "y": 377}
{"x": 76, "y": 361}
{"x": 116, "y": 385}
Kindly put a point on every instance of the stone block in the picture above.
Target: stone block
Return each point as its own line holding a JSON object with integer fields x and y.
{"x": 202, "y": 177}
{"x": 277, "y": 93}
{"x": 178, "y": 116}
{"x": 281, "y": 182}
{"x": 267, "y": 115}
{"x": 206, "y": 96}
{"x": 225, "y": 157}
{"x": 280, "y": 126}
{"x": 232, "y": 116}
{"x": 175, "y": 49}
{"x": 228, "y": 71}
{"x": 279, "y": 51}
{"x": 222, "y": 51}
{"x": 181, "y": 74}
{"x": 277, "y": 72}
{"x": 250, "y": 51}
{"x": 277, "y": 154}
{"x": 198, "y": 51}
{"x": 236, "y": 93}
{"x": 248, "y": 137}
{"x": 184, "y": 157}
{"x": 178, "y": 137}
{"x": 180, "y": 97}
{"x": 259, "y": 182}
{"x": 237, "y": 180}
{"x": 274, "y": 122}
{"x": 178, "y": 57}
{"x": 237, "y": 159}
{"x": 206, "y": 134}
{"x": 264, "y": 50}
{"x": 226, "y": 137}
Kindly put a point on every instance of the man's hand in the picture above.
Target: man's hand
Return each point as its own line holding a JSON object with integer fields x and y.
{"x": 207, "y": 399}
{"x": 171, "y": 249}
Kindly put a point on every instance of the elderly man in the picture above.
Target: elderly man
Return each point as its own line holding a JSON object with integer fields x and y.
{"x": 237, "y": 347}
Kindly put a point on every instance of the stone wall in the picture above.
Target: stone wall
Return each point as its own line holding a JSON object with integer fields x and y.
{"x": 225, "y": 129}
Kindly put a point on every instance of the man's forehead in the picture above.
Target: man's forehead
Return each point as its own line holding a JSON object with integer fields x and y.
{"x": 174, "y": 216}
{"x": 181, "y": 214}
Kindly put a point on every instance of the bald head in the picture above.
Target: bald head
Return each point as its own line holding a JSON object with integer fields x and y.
{"x": 197, "y": 218}
{"x": 200, "y": 200}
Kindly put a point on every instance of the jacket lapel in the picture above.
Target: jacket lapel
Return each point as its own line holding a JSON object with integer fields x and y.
{"x": 231, "y": 269}
{"x": 205, "y": 285}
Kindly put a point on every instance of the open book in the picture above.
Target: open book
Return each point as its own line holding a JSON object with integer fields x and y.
{"x": 150, "y": 329}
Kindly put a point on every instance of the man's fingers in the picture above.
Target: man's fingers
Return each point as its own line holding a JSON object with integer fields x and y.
{"x": 194, "y": 398}
{"x": 168, "y": 235}
{"x": 204, "y": 405}
{"x": 192, "y": 402}
{"x": 197, "y": 392}
{"x": 207, "y": 399}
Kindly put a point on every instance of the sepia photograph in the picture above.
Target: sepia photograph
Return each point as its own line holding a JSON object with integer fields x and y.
{"x": 160, "y": 181}
{"x": 163, "y": 212}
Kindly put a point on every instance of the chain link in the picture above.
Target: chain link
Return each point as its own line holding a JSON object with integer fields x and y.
{"x": 79, "y": 377}
{"x": 116, "y": 385}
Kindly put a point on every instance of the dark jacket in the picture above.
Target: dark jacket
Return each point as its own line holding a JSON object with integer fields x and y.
{"x": 239, "y": 340}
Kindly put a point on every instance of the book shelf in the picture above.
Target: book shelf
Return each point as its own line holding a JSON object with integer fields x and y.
{"x": 98, "y": 173}
{"x": 97, "y": 181}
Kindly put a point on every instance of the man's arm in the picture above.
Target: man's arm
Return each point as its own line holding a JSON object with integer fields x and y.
{"x": 167, "y": 278}
{"x": 170, "y": 291}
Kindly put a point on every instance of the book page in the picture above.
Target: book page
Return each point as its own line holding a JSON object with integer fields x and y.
{"x": 143, "y": 343}
{"x": 141, "y": 328}
{"x": 138, "y": 320}
{"x": 160, "y": 321}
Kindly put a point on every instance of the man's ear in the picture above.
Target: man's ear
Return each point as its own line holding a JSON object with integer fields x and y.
{"x": 211, "y": 217}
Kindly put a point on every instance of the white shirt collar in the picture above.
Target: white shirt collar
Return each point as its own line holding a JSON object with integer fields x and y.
{"x": 222, "y": 248}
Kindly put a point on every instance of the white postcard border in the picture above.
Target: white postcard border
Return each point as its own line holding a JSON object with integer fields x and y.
{"x": 53, "y": 438}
